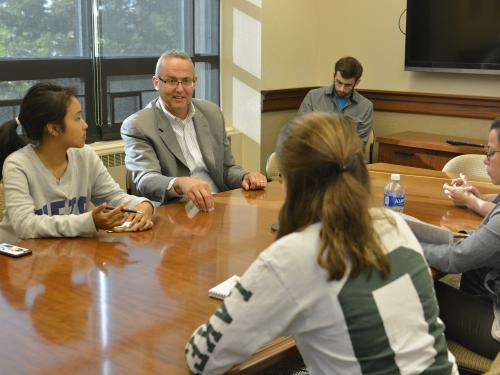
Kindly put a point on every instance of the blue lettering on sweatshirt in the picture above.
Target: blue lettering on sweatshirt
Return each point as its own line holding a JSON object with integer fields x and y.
{"x": 58, "y": 207}
{"x": 71, "y": 205}
{"x": 82, "y": 204}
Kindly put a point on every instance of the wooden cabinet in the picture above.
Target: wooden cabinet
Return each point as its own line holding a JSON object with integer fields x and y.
{"x": 423, "y": 150}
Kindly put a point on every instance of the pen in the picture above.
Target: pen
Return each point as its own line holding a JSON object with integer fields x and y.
{"x": 128, "y": 210}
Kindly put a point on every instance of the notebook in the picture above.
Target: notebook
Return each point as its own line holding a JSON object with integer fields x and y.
{"x": 222, "y": 290}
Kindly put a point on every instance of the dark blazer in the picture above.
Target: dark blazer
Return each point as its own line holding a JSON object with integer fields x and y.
{"x": 154, "y": 157}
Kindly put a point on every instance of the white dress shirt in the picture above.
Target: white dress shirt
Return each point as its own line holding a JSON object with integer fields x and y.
{"x": 186, "y": 136}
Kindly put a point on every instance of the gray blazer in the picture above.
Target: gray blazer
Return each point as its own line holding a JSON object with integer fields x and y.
{"x": 154, "y": 157}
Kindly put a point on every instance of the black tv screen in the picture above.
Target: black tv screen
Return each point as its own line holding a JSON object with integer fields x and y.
{"x": 453, "y": 35}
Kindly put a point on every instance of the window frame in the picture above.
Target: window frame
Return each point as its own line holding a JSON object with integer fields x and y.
{"x": 90, "y": 68}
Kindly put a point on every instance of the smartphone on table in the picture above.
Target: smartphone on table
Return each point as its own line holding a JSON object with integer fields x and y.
{"x": 13, "y": 250}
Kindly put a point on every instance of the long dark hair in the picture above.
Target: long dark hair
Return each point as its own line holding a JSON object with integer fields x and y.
{"x": 44, "y": 103}
{"x": 320, "y": 157}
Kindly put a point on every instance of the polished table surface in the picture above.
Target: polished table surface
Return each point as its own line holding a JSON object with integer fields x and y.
{"x": 127, "y": 303}
{"x": 424, "y": 194}
{"x": 394, "y": 168}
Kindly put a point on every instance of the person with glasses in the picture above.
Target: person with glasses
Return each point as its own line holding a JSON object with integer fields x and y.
{"x": 341, "y": 97}
{"x": 463, "y": 194}
{"x": 177, "y": 146}
{"x": 348, "y": 281}
{"x": 472, "y": 313}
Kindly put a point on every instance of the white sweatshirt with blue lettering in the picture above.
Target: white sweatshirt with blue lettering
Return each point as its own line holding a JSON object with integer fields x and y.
{"x": 38, "y": 205}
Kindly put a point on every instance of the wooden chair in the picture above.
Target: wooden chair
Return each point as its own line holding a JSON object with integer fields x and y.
{"x": 468, "y": 164}
{"x": 368, "y": 151}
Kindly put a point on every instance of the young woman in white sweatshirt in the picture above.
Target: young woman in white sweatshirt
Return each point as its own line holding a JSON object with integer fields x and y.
{"x": 50, "y": 181}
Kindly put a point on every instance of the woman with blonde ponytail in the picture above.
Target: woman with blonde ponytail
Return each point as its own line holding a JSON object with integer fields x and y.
{"x": 348, "y": 281}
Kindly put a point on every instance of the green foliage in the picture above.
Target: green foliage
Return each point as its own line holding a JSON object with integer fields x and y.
{"x": 13, "y": 90}
{"x": 142, "y": 28}
{"x": 36, "y": 29}
{"x": 57, "y": 28}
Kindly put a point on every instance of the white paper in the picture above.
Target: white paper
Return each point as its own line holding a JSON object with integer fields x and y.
{"x": 222, "y": 290}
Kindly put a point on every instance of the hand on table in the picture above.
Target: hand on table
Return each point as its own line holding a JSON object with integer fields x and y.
{"x": 460, "y": 181}
{"x": 140, "y": 221}
{"x": 463, "y": 182}
{"x": 110, "y": 219}
{"x": 461, "y": 192}
{"x": 254, "y": 181}
{"x": 460, "y": 195}
{"x": 197, "y": 191}
{"x": 116, "y": 220}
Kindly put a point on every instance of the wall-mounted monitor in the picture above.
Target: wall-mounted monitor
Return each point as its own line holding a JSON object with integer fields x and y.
{"x": 453, "y": 36}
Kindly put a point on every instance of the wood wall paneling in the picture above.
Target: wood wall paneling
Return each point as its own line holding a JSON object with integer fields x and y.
{"x": 479, "y": 107}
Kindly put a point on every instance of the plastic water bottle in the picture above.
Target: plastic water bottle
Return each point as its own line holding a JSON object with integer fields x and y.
{"x": 394, "y": 194}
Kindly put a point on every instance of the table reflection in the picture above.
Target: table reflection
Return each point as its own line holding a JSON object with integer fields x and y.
{"x": 56, "y": 285}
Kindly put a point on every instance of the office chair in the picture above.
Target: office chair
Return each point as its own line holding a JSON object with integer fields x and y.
{"x": 495, "y": 366}
{"x": 468, "y": 362}
{"x": 468, "y": 164}
{"x": 128, "y": 181}
{"x": 272, "y": 172}
{"x": 368, "y": 151}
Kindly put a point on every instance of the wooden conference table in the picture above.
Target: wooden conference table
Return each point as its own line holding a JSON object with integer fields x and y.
{"x": 127, "y": 303}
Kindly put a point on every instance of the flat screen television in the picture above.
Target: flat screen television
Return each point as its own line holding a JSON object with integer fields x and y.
{"x": 453, "y": 36}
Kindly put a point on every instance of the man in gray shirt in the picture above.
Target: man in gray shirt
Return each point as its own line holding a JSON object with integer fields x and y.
{"x": 341, "y": 97}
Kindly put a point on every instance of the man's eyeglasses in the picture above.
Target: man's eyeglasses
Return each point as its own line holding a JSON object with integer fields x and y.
{"x": 490, "y": 152}
{"x": 186, "y": 83}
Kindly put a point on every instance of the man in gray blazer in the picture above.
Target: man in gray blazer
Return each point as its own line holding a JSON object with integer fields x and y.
{"x": 177, "y": 146}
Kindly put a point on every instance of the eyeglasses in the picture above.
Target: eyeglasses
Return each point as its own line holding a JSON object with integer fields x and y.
{"x": 490, "y": 152}
{"x": 348, "y": 86}
{"x": 186, "y": 83}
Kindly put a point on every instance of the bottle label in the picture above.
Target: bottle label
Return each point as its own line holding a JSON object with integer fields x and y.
{"x": 393, "y": 201}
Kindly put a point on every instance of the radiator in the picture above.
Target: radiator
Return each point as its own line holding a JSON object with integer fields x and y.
{"x": 113, "y": 157}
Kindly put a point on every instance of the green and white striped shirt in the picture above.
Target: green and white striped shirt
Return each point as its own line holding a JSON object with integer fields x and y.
{"x": 363, "y": 325}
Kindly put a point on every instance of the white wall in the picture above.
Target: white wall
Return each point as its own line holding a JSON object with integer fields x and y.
{"x": 302, "y": 39}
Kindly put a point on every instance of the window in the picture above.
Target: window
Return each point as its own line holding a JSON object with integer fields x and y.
{"x": 106, "y": 49}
